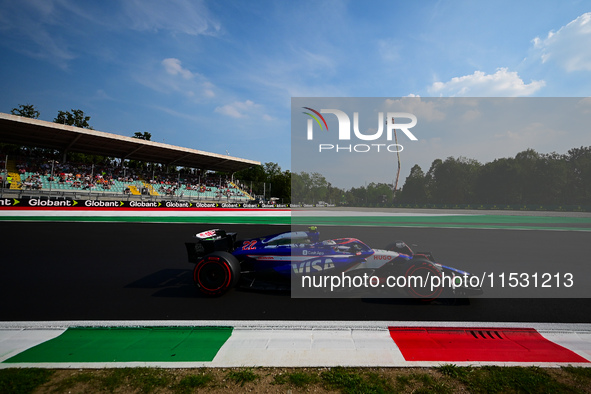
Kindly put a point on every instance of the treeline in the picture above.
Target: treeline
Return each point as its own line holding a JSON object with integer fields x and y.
{"x": 267, "y": 181}
{"x": 529, "y": 178}
{"x": 314, "y": 188}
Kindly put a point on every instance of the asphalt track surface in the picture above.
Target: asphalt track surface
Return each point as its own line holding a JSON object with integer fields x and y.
{"x": 139, "y": 271}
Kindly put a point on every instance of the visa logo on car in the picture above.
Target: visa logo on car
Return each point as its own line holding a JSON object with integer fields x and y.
{"x": 312, "y": 266}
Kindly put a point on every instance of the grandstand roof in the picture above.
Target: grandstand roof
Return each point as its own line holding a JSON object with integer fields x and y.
{"x": 33, "y": 132}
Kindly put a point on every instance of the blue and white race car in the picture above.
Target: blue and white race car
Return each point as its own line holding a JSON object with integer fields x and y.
{"x": 276, "y": 262}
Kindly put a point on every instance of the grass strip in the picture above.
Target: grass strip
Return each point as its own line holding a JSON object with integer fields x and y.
{"x": 444, "y": 379}
{"x": 23, "y": 381}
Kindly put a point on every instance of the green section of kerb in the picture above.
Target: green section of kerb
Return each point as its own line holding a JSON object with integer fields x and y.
{"x": 146, "y": 344}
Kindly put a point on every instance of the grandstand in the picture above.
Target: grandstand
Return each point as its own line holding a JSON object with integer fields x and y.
{"x": 38, "y": 176}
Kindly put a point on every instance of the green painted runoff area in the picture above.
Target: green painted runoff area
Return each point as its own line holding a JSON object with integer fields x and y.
{"x": 456, "y": 221}
{"x": 452, "y": 221}
{"x": 117, "y": 344}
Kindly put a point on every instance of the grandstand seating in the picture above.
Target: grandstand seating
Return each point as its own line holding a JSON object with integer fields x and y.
{"x": 241, "y": 191}
{"x": 33, "y": 181}
{"x": 31, "y": 174}
{"x": 13, "y": 173}
{"x": 151, "y": 190}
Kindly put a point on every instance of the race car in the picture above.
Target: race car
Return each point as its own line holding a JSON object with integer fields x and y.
{"x": 278, "y": 261}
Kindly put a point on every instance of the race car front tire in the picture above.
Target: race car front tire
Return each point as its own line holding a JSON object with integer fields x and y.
{"x": 216, "y": 273}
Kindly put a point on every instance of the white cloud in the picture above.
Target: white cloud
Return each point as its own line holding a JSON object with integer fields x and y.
{"x": 238, "y": 109}
{"x": 188, "y": 17}
{"x": 471, "y": 115}
{"x": 503, "y": 83}
{"x": 229, "y": 110}
{"x": 169, "y": 75}
{"x": 173, "y": 67}
{"x": 585, "y": 104}
{"x": 426, "y": 110}
{"x": 570, "y": 46}
{"x": 529, "y": 134}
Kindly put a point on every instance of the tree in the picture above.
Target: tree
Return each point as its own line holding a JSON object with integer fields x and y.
{"x": 579, "y": 162}
{"x": 142, "y": 136}
{"x": 431, "y": 182}
{"x": 378, "y": 193}
{"x": 75, "y": 118}
{"x": 452, "y": 180}
{"x": 271, "y": 170}
{"x": 497, "y": 183}
{"x": 527, "y": 176}
{"x": 300, "y": 187}
{"x": 282, "y": 186}
{"x": 357, "y": 196}
{"x": 415, "y": 187}
{"x": 26, "y": 111}
{"x": 318, "y": 187}
{"x": 251, "y": 174}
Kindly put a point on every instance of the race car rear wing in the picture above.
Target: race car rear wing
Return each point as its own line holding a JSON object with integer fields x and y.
{"x": 209, "y": 242}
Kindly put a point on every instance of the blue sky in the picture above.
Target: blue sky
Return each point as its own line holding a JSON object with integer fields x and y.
{"x": 219, "y": 75}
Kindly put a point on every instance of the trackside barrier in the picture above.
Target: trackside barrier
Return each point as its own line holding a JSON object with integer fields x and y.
{"x": 67, "y": 202}
{"x": 24, "y": 203}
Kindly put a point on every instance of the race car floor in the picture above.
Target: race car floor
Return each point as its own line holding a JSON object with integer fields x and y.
{"x": 192, "y": 344}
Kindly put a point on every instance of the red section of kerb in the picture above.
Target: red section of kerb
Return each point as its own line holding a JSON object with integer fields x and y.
{"x": 479, "y": 344}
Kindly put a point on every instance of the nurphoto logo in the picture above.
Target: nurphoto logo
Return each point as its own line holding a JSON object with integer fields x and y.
{"x": 344, "y": 132}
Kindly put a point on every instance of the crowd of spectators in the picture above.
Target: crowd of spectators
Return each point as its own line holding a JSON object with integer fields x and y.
{"x": 209, "y": 183}
{"x": 74, "y": 175}
{"x": 37, "y": 173}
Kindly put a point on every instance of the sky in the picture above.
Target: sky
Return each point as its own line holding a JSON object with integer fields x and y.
{"x": 219, "y": 76}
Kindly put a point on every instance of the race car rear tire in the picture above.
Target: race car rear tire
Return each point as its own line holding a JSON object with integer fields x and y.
{"x": 217, "y": 272}
{"x": 427, "y": 288}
